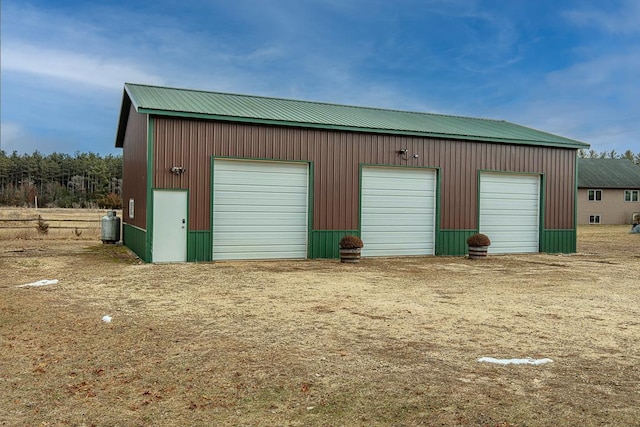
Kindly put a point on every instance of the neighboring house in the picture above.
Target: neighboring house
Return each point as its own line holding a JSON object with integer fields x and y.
{"x": 608, "y": 191}
{"x": 214, "y": 176}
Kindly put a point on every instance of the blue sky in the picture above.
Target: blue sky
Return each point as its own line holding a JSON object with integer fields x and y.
{"x": 565, "y": 67}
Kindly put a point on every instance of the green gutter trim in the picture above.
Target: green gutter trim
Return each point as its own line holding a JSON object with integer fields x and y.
{"x": 272, "y": 122}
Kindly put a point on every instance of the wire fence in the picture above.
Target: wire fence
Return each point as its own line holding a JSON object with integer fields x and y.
{"x": 55, "y": 223}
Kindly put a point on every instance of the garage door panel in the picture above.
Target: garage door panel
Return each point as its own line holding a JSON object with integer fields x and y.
{"x": 513, "y": 200}
{"x": 253, "y": 252}
{"x": 255, "y": 239}
{"x": 266, "y": 210}
{"x": 259, "y": 210}
{"x": 276, "y": 229}
{"x": 509, "y": 212}
{"x": 255, "y": 167}
{"x": 392, "y": 222}
{"x": 399, "y": 236}
{"x": 255, "y": 188}
{"x": 409, "y": 205}
{"x": 398, "y": 211}
{"x": 406, "y": 188}
{"x": 399, "y": 250}
{"x": 514, "y": 235}
{"x": 505, "y": 221}
{"x": 416, "y": 198}
{"x": 251, "y": 198}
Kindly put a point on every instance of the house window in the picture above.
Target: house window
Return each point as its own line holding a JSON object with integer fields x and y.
{"x": 131, "y": 207}
{"x": 594, "y": 219}
{"x": 630, "y": 195}
{"x": 595, "y": 195}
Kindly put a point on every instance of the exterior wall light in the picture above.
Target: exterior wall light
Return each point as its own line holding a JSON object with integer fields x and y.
{"x": 178, "y": 170}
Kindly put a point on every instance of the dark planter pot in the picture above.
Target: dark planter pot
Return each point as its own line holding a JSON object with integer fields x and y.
{"x": 351, "y": 256}
{"x": 478, "y": 252}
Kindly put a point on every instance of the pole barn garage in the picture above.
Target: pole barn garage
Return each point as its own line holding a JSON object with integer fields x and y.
{"x": 216, "y": 176}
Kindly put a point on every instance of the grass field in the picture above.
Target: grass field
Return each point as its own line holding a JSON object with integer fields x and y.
{"x": 316, "y": 342}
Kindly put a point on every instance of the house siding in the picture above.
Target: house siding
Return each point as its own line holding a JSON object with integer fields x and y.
{"x": 337, "y": 156}
{"x": 612, "y": 208}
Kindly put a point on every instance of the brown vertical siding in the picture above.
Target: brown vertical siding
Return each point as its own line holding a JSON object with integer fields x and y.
{"x": 134, "y": 169}
{"x": 337, "y": 157}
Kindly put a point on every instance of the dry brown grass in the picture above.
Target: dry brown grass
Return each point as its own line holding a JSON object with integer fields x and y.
{"x": 385, "y": 342}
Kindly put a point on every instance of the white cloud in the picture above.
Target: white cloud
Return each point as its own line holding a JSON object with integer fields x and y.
{"x": 602, "y": 75}
{"x": 624, "y": 20}
{"x": 15, "y": 137}
{"x": 72, "y": 67}
{"x": 9, "y": 132}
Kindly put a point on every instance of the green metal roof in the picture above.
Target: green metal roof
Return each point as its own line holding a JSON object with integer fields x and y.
{"x": 608, "y": 173}
{"x": 166, "y": 101}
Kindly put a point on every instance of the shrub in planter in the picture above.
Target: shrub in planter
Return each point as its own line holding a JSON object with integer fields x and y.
{"x": 351, "y": 242}
{"x": 478, "y": 239}
{"x": 350, "y": 247}
{"x": 478, "y": 245}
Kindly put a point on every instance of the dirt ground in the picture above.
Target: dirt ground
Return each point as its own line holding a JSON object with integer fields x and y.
{"x": 388, "y": 342}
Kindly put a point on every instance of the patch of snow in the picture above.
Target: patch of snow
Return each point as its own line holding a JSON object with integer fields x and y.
{"x": 106, "y": 319}
{"x": 44, "y": 282}
{"x": 527, "y": 361}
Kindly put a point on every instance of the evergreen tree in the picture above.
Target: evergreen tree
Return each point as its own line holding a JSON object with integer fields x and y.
{"x": 60, "y": 180}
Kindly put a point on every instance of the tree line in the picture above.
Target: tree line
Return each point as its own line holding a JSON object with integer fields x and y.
{"x": 593, "y": 154}
{"x": 82, "y": 180}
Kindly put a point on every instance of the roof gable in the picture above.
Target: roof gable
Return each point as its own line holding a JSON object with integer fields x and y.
{"x": 165, "y": 101}
{"x": 608, "y": 173}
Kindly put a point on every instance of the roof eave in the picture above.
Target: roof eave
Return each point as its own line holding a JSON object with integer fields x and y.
{"x": 151, "y": 111}
{"x": 123, "y": 119}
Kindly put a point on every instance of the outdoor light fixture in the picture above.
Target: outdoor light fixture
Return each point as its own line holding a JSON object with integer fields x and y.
{"x": 415, "y": 156}
{"x": 402, "y": 151}
{"x": 178, "y": 170}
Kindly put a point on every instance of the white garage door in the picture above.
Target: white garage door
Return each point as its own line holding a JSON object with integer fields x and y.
{"x": 259, "y": 209}
{"x": 509, "y": 212}
{"x": 398, "y": 211}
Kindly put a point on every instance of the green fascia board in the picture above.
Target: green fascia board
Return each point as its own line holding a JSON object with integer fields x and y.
{"x": 608, "y": 173}
{"x": 199, "y": 246}
{"x": 326, "y": 243}
{"x": 135, "y": 239}
{"x": 162, "y": 101}
{"x": 559, "y": 241}
{"x": 453, "y": 242}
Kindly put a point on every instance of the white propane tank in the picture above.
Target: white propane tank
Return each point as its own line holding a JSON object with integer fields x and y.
{"x": 110, "y": 228}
